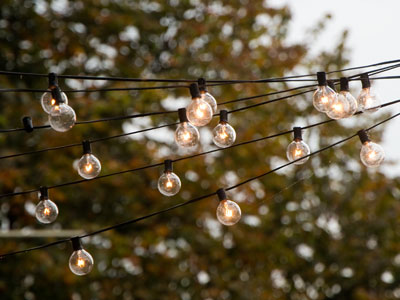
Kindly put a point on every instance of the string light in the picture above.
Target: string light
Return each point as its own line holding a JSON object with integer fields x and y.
{"x": 198, "y": 112}
{"x": 324, "y": 96}
{"x": 347, "y": 96}
{"x": 186, "y": 135}
{"x": 47, "y": 100}
{"x": 169, "y": 183}
{"x": 372, "y": 154}
{"x": 206, "y": 96}
{"x": 368, "y": 100}
{"x": 298, "y": 148}
{"x": 224, "y": 135}
{"x": 344, "y": 105}
{"x": 46, "y": 210}
{"x": 228, "y": 212}
{"x": 62, "y": 117}
{"x": 89, "y": 165}
{"x": 80, "y": 262}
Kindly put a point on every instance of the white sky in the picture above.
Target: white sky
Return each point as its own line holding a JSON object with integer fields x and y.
{"x": 373, "y": 37}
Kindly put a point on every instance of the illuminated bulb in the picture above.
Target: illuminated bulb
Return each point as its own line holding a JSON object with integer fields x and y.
{"x": 198, "y": 112}
{"x": 298, "y": 148}
{"x": 223, "y": 134}
{"x": 62, "y": 117}
{"x": 46, "y": 211}
{"x": 206, "y": 96}
{"x": 372, "y": 154}
{"x": 339, "y": 109}
{"x": 228, "y": 212}
{"x": 186, "y": 135}
{"x": 345, "y": 96}
{"x": 89, "y": 165}
{"x": 368, "y": 100}
{"x": 169, "y": 183}
{"x": 324, "y": 96}
{"x": 80, "y": 262}
{"x": 48, "y": 101}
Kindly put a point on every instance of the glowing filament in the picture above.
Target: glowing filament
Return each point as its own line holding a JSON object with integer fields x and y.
{"x": 88, "y": 167}
{"x": 53, "y": 101}
{"x": 56, "y": 108}
{"x": 372, "y": 154}
{"x": 324, "y": 99}
{"x": 337, "y": 107}
{"x": 298, "y": 152}
{"x": 199, "y": 113}
{"x": 223, "y": 135}
{"x": 186, "y": 136}
{"x": 80, "y": 263}
{"x": 46, "y": 211}
{"x": 169, "y": 184}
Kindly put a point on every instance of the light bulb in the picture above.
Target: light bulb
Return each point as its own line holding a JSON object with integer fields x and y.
{"x": 324, "y": 95}
{"x": 46, "y": 211}
{"x": 339, "y": 108}
{"x": 206, "y": 96}
{"x": 80, "y": 262}
{"x": 298, "y": 148}
{"x": 169, "y": 183}
{"x": 47, "y": 101}
{"x": 368, "y": 100}
{"x": 186, "y": 135}
{"x": 371, "y": 154}
{"x": 345, "y": 96}
{"x": 62, "y": 117}
{"x": 228, "y": 212}
{"x": 89, "y": 165}
{"x": 223, "y": 134}
{"x": 198, "y": 112}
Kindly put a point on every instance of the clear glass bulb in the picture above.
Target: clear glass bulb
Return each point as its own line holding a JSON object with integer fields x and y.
{"x": 206, "y": 96}
{"x": 46, "y": 211}
{"x": 340, "y": 109}
{"x": 199, "y": 112}
{"x": 169, "y": 184}
{"x": 62, "y": 117}
{"x": 368, "y": 100}
{"x": 228, "y": 212}
{"x": 298, "y": 149}
{"x": 372, "y": 154}
{"x": 223, "y": 135}
{"x": 89, "y": 166}
{"x": 81, "y": 262}
{"x": 48, "y": 101}
{"x": 186, "y": 135}
{"x": 352, "y": 102}
{"x": 323, "y": 97}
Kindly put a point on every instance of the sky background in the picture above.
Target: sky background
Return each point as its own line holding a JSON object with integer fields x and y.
{"x": 372, "y": 38}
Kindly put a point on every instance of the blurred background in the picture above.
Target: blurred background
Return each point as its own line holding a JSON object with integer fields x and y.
{"x": 323, "y": 230}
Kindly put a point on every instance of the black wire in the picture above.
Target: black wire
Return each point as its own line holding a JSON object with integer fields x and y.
{"x": 132, "y": 221}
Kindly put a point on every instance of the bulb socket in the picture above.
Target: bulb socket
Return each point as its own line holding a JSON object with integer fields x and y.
{"x": 365, "y": 81}
{"x": 363, "y": 135}
{"x": 194, "y": 91}
{"x": 168, "y": 166}
{"x": 53, "y": 81}
{"x": 56, "y": 94}
{"x": 331, "y": 84}
{"x": 87, "y": 148}
{"x": 28, "y": 125}
{"x": 182, "y": 115}
{"x": 76, "y": 243}
{"x": 221, "y": 194}
{"x": 202, "y": 84}
{"x": 223, "y": 116}
{"x": 297, "y": 134}
{"x": 321, "y": 77}
{"x": 344, "y": 84}
{"x": 44, "y": 193}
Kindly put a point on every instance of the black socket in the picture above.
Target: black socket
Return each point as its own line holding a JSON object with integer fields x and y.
{"x": 223, "y": 116}
{"x": 344, "y": 84}
{"x": 168, "y": 165}
{"x": 53, "y": 82}
{"x": 331, "y": 84}
{"x": 56, "y": 94}
{"x": 202, "y": 84}
{"x": 221, "y": 194}
{"x": 297, "y": 133}
{"x": 365, "y": 81}
{"x": 44, "y": 193}
{"x": 87, "y": 149}
{"x": 28, "y": 125}
{"x": 182, "y": 115}
{"x": 194, "y": 90}
{"x": 76, "y": 243}
{"x": 362, "y": 134}
{"x": 321, "y": 77}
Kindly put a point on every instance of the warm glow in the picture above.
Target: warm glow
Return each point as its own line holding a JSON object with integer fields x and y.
{"x": 298, "y": 152}
{"x": 187, "y": 136}
{"x": 169, "y": 184}
{"x": 46, "y": 211}
{"x": 228, "y": 213}
{"x": 57, "y": 107}
{"x": 223, "y": 135}
{"x": 199, "y": 113}
{"x": 324, "y": 99}
{"x": 368, "y": 101}
{"x": 372, "y": 154}
{"x": 337, "y": 107}
{"x": 80, "y": 263}
{"x": 53, "y": 101}
{"x": 88, "y": 167}
{"x": 203, "y": 106}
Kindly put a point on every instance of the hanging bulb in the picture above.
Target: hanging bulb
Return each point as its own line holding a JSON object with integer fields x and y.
{"x": 62, "y": 117}
{"x": 186, "y": 135}
{"x": 206, "y": 96}
{"x": 198, "y": 112}
{"x": 80, "y": 262}
{"x": 324, "y": 95}
{"x": 340, "y": 107}
{"x": 372, "y": 154}
{"x": 223, "y": 134}
{"x": 368, "y": 100}
{"x": 228, "y": 212}
{"x": 169, "y": 183}
{"x": 345, "y": 96}
{"x": 46, "y": 211}
{"x": 47, "y": 100}
{"x": 298, "y": 148}
{"x": 89, "y": 165}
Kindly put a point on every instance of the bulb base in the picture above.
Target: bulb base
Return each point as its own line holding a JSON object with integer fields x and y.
{"x": 223, "y": 116}
{"x": 44, "y": 193}
{"x": 362, "y": 134}
{"x": 182, "y": 115}
{"x": 168, "y": 165}
{"x": 87, "y": 148}
{"x": 365, "y": 81}
{"x": 321, "y": 77}
{"x": 202, "y": 85}
{"x": 331, "y": 84}
{"x": 194, "y": 91}
{"x": 344, "y": 84}
{"x": 221, "y": 194}
{"x": 76, "y": 243}
{"x": 28, "y": 125}
{"x": 53, "y": 81}
{"x": 297, "y": 134}
{"x": 56, "y": 94}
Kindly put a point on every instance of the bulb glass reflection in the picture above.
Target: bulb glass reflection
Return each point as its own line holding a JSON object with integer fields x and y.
{"x": 169, "y": 184}
{"x": 339, "y": 109}
{"x": 228, "y": 212}
{"x": 224, "y": 135}
{"x": 323, "y": 98}
{"x": 199, "y": 112}
{"x": 345, "y": 96}
{"x": 207, "y": 97}
{"x": 297, "y": 149}
{"x": 372, "y": 154}
{"x": 62, "y": 117}
{"x": 47, "y": 101}
{"x": 46, "y": 211}
{"x": 368, "y": 100}
{"x": 89, "y": 166}
{"x": 186, "y": 135}
{"x": 81, "y": 262}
